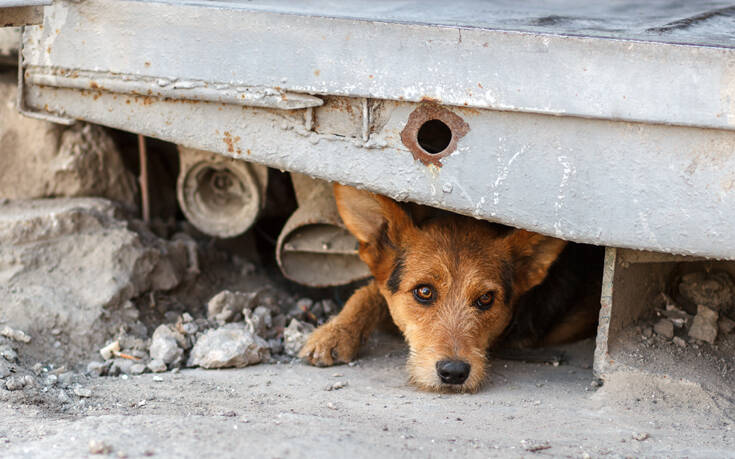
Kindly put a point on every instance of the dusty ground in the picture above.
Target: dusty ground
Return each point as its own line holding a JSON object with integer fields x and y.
{"x": 285, "y": 410}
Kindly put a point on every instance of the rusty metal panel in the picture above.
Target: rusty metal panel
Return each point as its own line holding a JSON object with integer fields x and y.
{"x": 661, "y": 188}
{"x": 656, "y": 62}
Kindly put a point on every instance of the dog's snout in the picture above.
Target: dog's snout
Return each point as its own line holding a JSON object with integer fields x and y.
{"x": 453, "y": 371}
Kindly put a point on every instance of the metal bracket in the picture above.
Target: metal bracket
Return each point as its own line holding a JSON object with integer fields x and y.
{"x": 20, "y": 100}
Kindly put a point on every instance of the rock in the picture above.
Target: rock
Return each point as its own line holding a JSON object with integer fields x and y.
{"x": 233, "y": 345}
{"x": 647, "y": 332}
{"x": 679, "y": 318}
{"x": 82, "y": 392}
{"x": 336, "y": 386}
{"x": 72, "y": 265}
{"x": 165, "y": 345}
{"x": 704, "y": 325}
{"x": 259, "y": 320}
{"x": 665, "y": 328}
{"x": 98, "y": 368}
{"x": 640, "y": 436}
{"x": 99, "y": 447}
{"x": 4, "y": 370}
{"x": 66, "y": 379}
{"x": 295, "y": 336}
{"x": 8, "y": 353}
{"x": 156, "y": 366}
{"x": 226, "y": 306}
{"x": 679, "y": 341}
{"x": 137, "y": 369}
{"x": 725, "y": 325}
{"x": 714, "y": 290}
{"x": 42, "y": 159}
{"x": 16, "y": 335}
{"x": 15, "y": 383}
{"x": 110, "y": 351}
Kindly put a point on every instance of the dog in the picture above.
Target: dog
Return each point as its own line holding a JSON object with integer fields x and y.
{"x": 456, "y": 286}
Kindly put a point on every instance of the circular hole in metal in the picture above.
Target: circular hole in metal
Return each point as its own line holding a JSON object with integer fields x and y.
{"x": 434, "y": 136}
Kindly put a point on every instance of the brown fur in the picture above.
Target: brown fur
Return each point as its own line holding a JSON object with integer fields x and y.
{"x": 461, "y": 259}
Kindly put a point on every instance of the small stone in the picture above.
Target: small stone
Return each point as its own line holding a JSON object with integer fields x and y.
{"x": 16, "y": 335}
{"x": 83, "y": 392}
{"x": 704, "y": 325}
{"x": 331, "y": 406}
{"x": 336, "y": 386}
{"x": 66, "y": 378}
{"x": 15, "y": 383}
{"x": 647, "y": 332}
{"x": 156, "y": 366}
{"x": 665, "y": 328}
{"x": 8, "y": 353}
{"x": 137, "y": 369}
{"x": 97, "y": 368}
{"x": 157, "y": 379}
{"x": 230, "y": 346}
{"x": 295, "y": 336}
{"x": 4, "y": 370}
{"x": 679, "y": 342}
{"x": 640, "y": 436}
{"x": 725, "y": 325}
{"x": 165, "y": 346}
{"x": 226, "y": 306}
{"x": 99, "y": 447}
{"x": 29, "y": 380}
{"x": 110, "y": 350}
{"x": 534, "y": 446}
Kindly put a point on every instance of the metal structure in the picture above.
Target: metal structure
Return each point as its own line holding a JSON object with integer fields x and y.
{"x": 611, "y": 123}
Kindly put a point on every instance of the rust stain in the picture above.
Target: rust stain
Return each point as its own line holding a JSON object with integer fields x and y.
{"x": 427, "y": 112}
{"x": 231, "y": 142}
{"x": 147, "y": 64}
{"x": 317, "y": 72}
{"x": 249, "y": 152}
{"x": 94, "y": 85}
{"x": 430, "y": 100}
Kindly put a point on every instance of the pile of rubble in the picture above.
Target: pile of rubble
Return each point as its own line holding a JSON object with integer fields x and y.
{"x": 241, "y": 329}
{"x": 702, "y": 312}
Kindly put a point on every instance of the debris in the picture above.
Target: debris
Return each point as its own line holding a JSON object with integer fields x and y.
{"x": 336, "y": 386}
{"x": 8, "y": 353}
{"x": 110, "y": 350}
{"x": 679, "y": 341}
{"x": 15, "y": 383}
{"x": 640, "y": 436}
{"x": 4, "y": 370}
{"x": 99, "y": 447}
{"x": 165, "y": 345}
{"x": 98, "y": 368}
{"x": 665, "y": 328}
{"x": 137, "y": 369}
{"x": 157, "y": 379}
{"x": 233, "y": 345}
{"x": 647, "y": 332}
{"x": 725, "y": 325}
{"x": 82, "y": 392}
{"x": 535, "y": 446}
{"x": 16, "y": 335}
{"x": 156, "y": 366}
{"x": 704, "y": 325}
{"x": 295, "y": 336}
{"x": 226, "y": 306}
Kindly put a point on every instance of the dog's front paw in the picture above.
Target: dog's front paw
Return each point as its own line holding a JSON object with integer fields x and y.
{"x": 331, "y": 344}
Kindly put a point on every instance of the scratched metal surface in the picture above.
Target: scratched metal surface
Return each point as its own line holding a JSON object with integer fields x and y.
{"x": 621, "y": 142}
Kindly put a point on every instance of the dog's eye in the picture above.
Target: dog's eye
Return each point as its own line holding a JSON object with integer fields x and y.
{"x": 424, "y": 294}
{"x": 485, "y": 301}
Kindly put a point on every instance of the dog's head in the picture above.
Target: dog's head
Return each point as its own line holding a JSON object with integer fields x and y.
{"x": 450, "y": 282}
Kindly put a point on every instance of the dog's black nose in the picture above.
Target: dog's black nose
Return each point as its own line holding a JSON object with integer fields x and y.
{"x": 452, "y": 371}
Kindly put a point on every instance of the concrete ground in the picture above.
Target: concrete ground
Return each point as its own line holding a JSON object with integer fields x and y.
{"x": 285, "y": 410}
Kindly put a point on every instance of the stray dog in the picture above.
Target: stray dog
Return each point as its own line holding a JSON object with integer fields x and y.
{"x": 455, "y": 286}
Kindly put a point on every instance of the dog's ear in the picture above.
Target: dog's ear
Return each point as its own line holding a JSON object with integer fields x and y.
{"x": 533, "y": 254}
{"x": 371, "y": 218}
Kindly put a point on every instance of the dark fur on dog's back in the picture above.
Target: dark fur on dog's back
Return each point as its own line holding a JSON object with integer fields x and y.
{"x": 573, "y": 278}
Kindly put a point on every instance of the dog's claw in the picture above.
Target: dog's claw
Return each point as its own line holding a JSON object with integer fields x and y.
{"x": 330, "y": 344}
